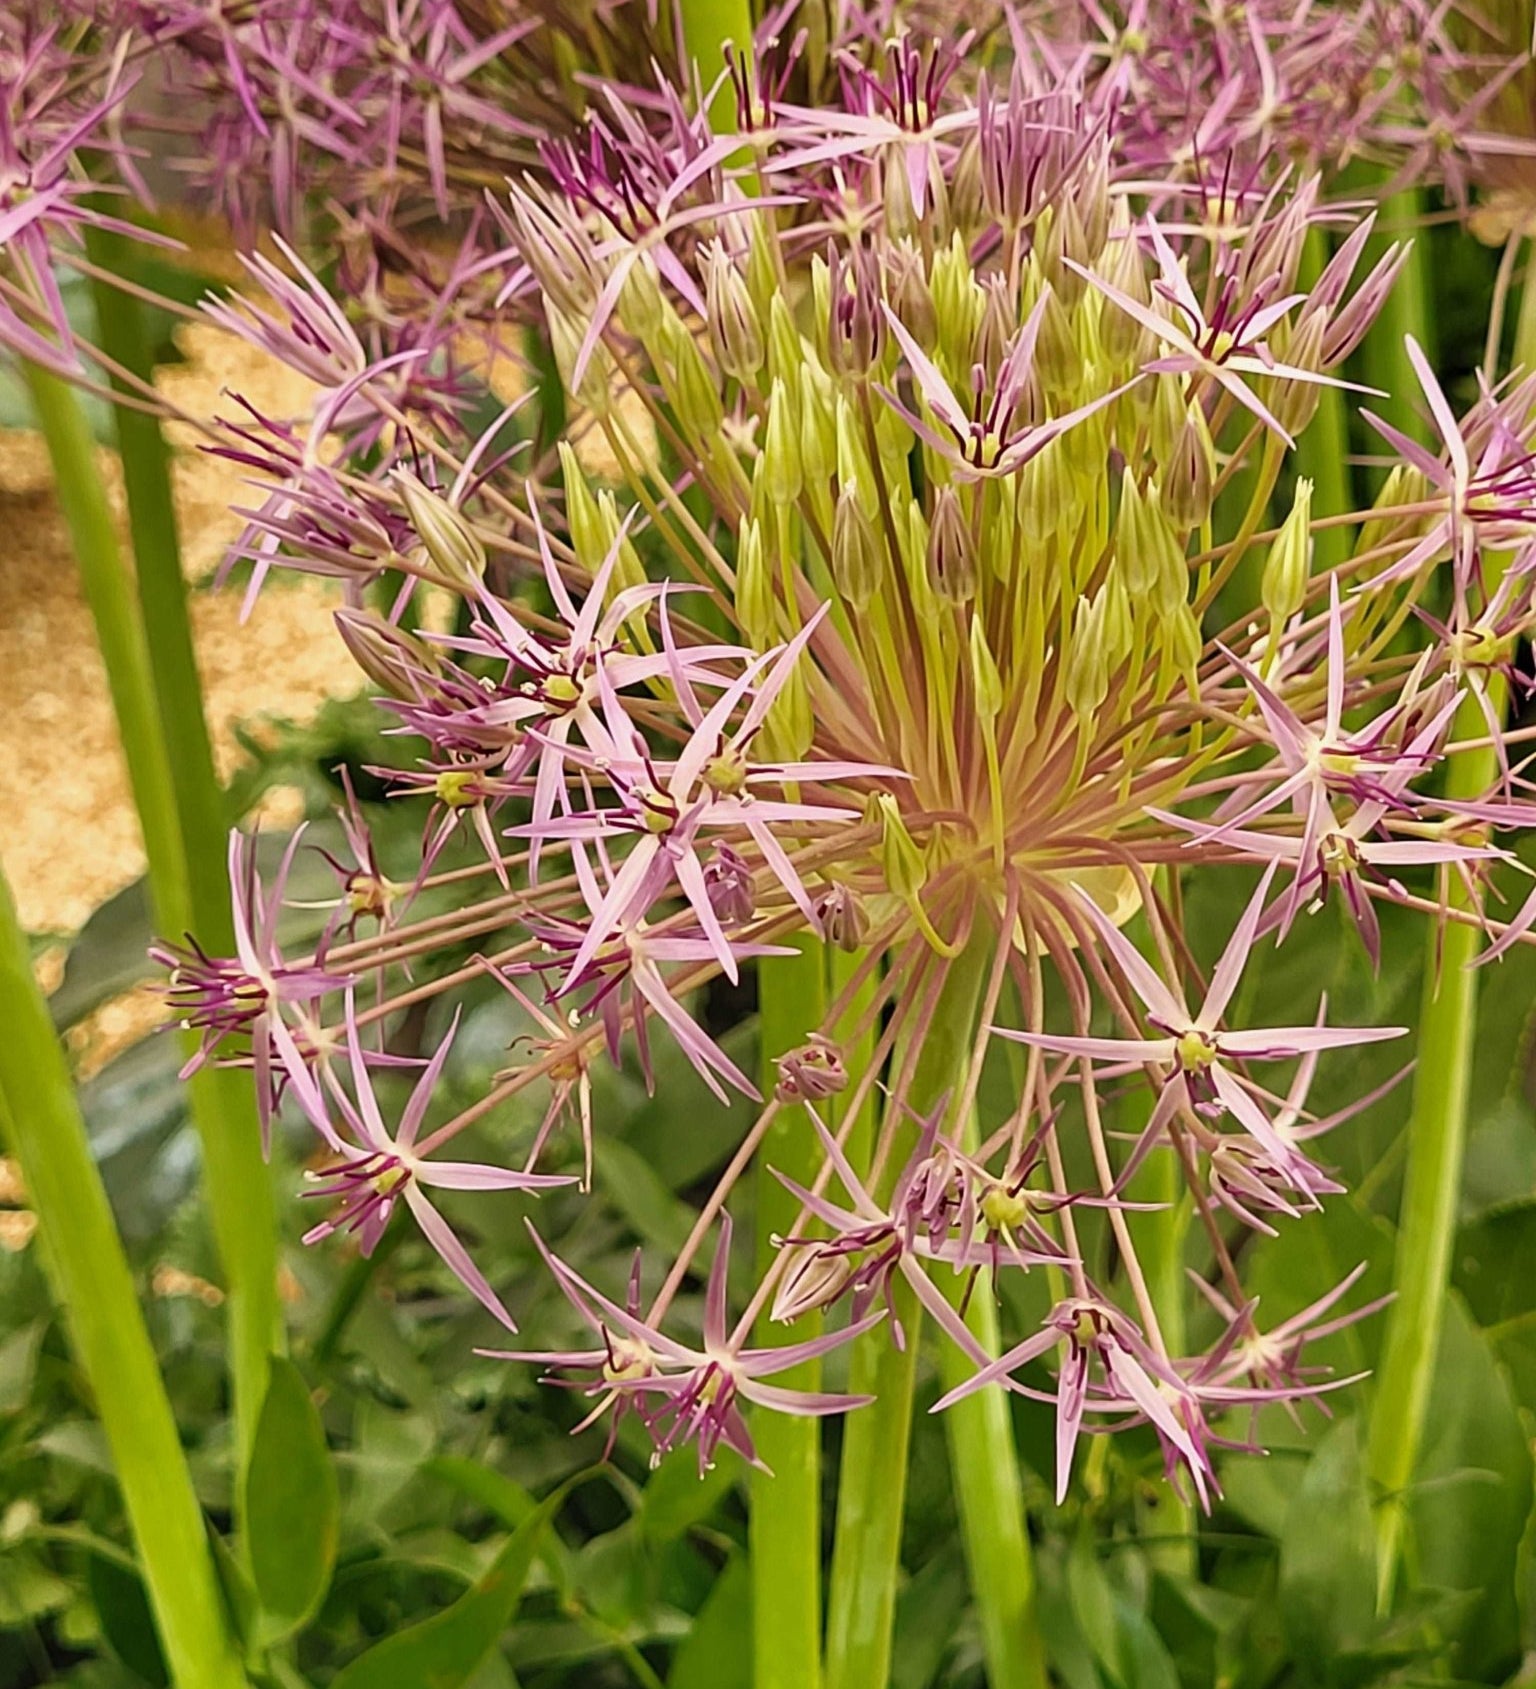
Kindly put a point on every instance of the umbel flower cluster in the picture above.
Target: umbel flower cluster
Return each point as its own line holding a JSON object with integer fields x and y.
{"x": 927, "y": 617}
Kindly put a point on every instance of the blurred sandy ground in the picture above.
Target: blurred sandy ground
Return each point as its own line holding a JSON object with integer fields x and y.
{"x": 69, "y": 837}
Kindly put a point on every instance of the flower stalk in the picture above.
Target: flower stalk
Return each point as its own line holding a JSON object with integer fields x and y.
{"x": 785, "y": 1523}
{"x": 237, "y": 1182}
{"x": 40, "y": 1120}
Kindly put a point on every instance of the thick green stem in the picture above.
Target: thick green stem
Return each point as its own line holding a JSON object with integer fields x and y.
{"x": 709, "y": 26}
{"x": 237, "y": 1181}
{"x": 146, "y": 462}
{"x": 866, "y": 1558}
{"x": 1437, "y": 1129}
{"x": 785, "y": 1526}
{"x": 40, "y": 1119}
{"x": 1407, "y": 311}
{"x": 1322, "y": 451}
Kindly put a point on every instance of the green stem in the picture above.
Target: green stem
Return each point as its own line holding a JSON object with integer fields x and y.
{"x": 237, "y": 1181}
{"x": 1383, "y": 358}
{"x": 152, "y": 527}
{"x": 41, "y": 1121}
{"x": 866, "y": 1555}
{"x": 1437, "y": 1130}
{"x": 785, "y": 1525}
{"x": 709, "y": 26}
{"x": 1322, "y": 450}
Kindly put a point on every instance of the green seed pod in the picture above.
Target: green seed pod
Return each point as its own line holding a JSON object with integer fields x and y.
{"x": 856, "y": 557}
{"x": 1283, "y": 588}
{"x": 445, "y": 535}
{"x": 780, "y": 463}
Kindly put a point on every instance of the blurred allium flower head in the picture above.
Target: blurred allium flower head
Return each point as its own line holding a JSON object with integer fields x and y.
{"x": 899, "y": 625}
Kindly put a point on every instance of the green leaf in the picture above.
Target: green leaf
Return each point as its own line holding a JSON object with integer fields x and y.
{"x": 292, "y": 1505}
{"x": 677, "y": 1497}
{"x": 718, "y": 1651}
{"x": 1327, "y": 1591}
{"x": 446, "y": 1650}
{"x": 122, "y": 1607}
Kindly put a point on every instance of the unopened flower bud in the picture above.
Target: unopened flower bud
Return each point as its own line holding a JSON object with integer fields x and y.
{"x": 595, "y": 389}
{"x": 951, "y": 556}
{"x": 641, "y": 303}
{"x": 754, "y": 587}
{"x": 1190, "y": 483}
{"x": 1294, "y": 403}
{"x": 844, "y": 919}
{"x": 901, "y": 219}
{"x": 779, "y": 465}
{"x": 1283, "y": 588}
{"x": 855, "y": 550}
{"x": 818, "y": 426}
{"x": 811, "y": 1073}
{"x": 1058, "y": 360}
{"x": 814, "y": 1280}
{"x": 856, "y": 330}
{"x": 911, "y": 300}
{"x": 1183, "y": 642}
{"x": 1047, "y": 495}
{"x": 582, "y": 516}
{"x": 1060, "y": 235}
{"x": 1085, "y": 675}
{"x": 985, "y": 680}
{"x": 691, "y": 389}
{"x": 957, "y": 302}
{"x": 734, "y": 330}
{"x": 1123, "y": 338}
{"x": 905, "y": 868}
{"x": 728, "y": 880}
{"x": 998, "y": 325}
{"x": 786, "y": 350}
{"x": 790, "y": 723}
{"x": 395, "y": 661}
{"x": 1146, "y": 547}
{"x": 447, "y": 537}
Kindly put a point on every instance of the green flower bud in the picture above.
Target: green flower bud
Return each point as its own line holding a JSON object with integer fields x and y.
{"x": 754, "y": 587}
{"x": 692, "y": 389}
{"x": 1189, "y": 486}
{"x": 641, "y": 303}
{"x": 734, "y": 329}
{"x": 443, "y": 532}
{"x": 907, "y": 289}
{"x": 1166, "y": 418}
{"x": 985, "y": 679}
{"x": 780, "y": 462}
{"x": 856, "y": 557}
{"x": 1283, "y": 588}
{"x": 1146, "y": 547}
{"x": 901, "y": 219}
{"x": 628, "y": 570}
{"x": 1183, "y": 641}
{"x": 597, "y": 381}
{"x": 1085, "y": 672}
{"x": 786, "y": 350}
{"x": 1047, "y": 495}
{"x": 790, "y": 723}
{"x": 1402, "y": 486}
{"x": 957, "y": 302}
{"x": 951, "y": 554}
{"x": 588, "y": 539}
{"x": 1294, "y": 403}
{"x": 1058, "y": 362}
{"x": 1123, "y": 338}
{"x": 1059, "y": 234}
{"x": 852, "y": 460}
{"x": 818, "y": 425}
{"x": 906, "y": 870}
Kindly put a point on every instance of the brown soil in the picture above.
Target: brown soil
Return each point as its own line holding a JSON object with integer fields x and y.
{"x": 68, "y": 834}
